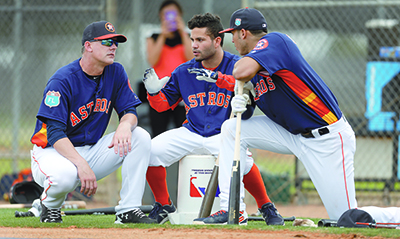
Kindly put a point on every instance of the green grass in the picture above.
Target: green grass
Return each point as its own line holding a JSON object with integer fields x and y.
{"x": 7, "y": 219}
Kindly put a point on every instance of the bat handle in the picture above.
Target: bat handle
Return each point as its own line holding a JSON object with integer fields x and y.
{"x": 292, "y": 218}
{"x": 24, "y": 214}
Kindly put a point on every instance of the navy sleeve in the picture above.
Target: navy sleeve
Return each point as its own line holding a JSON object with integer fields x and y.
{"x": 129, "y": 110}
{"x": 250, "y": 109}
{"x": 55, "y": 131}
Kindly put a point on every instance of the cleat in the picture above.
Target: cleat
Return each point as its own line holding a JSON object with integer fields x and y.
{"x": 134, "y": 216}
{"x": 50, "y": 215}
{"x": 160, "y": 213}
{"x": 219, "y": 218}
{"x": 271, "y": 215}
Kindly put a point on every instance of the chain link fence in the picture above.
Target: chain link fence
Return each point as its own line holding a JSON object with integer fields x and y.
{"x": 352, "y": 44}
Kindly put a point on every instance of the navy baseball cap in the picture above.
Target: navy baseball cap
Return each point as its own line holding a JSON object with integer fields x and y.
{"x": 100, "y": 31}
{"x": 350, "y": 218}
{"x": 248, "y": 19}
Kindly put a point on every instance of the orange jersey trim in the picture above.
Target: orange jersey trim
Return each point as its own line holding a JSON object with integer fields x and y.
{"x": 160, "y": 103}
{"x": 307, "y": 96}
{"x": 224, "y": 81}
{"x": 40, "y": 138}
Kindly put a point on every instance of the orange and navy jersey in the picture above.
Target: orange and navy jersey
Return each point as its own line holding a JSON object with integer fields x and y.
{"x": 207, "y": 104}
{"x": 82, "y": 104}
{"x": 289, "y": 91}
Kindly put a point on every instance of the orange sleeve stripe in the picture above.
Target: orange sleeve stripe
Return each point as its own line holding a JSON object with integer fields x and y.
{"x": 226, "y": 82}
{"x": 40, "y": 138}
{"x": 160, "y": 103}
{"x": 307, "y": 96}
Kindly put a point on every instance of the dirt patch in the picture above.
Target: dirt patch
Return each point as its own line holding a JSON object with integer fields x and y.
{"x": 160, "y": 233}
{"x": 304, "y": 211}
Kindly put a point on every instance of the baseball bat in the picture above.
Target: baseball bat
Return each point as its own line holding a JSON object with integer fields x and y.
{"x": 67, "y": 204}
{"x": 286, "y": 219}
{"x": 95, "y": 211}
{"x": 327, "y": 223}
{"x": 24, "y": 214}
{"x": 209, "y": 196}
{"x": 234, "y": 191}
{"x": 104, "y": 210}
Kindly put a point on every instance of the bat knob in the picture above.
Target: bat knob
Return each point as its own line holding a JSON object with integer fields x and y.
{"x": 24, "y": 214}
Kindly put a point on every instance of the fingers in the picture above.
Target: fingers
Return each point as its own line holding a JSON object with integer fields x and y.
{"x": 203, "y": 72}
{"x": 247, "y": 99}
{"x": 129, "y": 145}
{"x": 247, "y": 89}
{"x": 89, "y": 187}
{"x": 204, "y": 78}
{"x": 238, "y": 103}
{"x": 193, "y": 70}
{"x": 198, "y": 71}
{"x": 147, "y": 73}
{"x": 151, "y": 81}
{"x": 121, "y": 147}
{"x": 88, "y": 181}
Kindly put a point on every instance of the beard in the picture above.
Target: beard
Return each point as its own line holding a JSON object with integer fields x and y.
{"x": 205, "y": 55}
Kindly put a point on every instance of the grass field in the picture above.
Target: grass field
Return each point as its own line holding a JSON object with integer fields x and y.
{"x": 274, "y": 164}
{"x": 279, "y": 168}
{"x": 7, "y": 219}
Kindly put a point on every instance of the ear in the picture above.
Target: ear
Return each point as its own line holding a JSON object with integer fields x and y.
{"x": 88, "y": 46}
{"x": 217, "y": 42}
{"x": 243, "y": 33}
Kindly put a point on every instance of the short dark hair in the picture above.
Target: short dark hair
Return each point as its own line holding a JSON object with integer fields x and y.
{"x": 211, "y": 22}
{"x": 170, "y": 2}
{"x": 258, "y": 32}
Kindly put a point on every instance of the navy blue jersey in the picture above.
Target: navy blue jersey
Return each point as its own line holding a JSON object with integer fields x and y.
{"x": 83, "y": 105}
{"x": 207, "y": 105}
{"x": 290, "y": 92}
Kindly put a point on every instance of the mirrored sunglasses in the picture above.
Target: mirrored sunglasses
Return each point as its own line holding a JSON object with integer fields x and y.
{"x": 108, "y": 42}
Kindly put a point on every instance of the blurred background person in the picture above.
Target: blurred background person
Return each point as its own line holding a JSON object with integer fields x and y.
{"x": 165, "y": 51}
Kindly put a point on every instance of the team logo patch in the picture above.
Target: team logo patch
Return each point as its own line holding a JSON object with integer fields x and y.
{"x": 262, "y": 44}
{"x": 52, "y": 98}
{"x": 238, "y": 21}
{"x": 110, "y": 27}
{"x": 198, "y": 182}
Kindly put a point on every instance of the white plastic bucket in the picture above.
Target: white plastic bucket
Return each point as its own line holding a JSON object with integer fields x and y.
{"x": 194, "y": 174}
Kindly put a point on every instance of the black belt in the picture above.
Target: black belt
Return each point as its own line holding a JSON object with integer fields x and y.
{"x": 321, "y": 132}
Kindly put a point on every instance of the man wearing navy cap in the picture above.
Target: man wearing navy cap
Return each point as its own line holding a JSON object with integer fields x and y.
{"x": 302, "y": 116}
{"x": 70, "y": 148}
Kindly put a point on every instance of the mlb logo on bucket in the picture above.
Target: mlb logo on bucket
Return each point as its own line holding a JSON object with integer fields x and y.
{"x": 198, "y": 182}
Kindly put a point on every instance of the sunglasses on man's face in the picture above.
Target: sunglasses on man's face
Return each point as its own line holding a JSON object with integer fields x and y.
{"x": 108, "y": 42}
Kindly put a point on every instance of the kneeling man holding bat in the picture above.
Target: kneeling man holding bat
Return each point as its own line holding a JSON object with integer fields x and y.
{"x": 302, "y": 116}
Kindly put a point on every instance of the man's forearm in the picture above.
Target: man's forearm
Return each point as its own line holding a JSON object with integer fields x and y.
{"x": 66, "y": 148}
{"x": 129, "y": 119}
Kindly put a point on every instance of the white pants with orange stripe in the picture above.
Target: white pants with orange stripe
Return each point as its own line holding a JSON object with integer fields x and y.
{"x": 328, "y": 159}
{"x": 172, "y": 145}
{"x": 384, "y": 214}
{"x": 59, "y": 176}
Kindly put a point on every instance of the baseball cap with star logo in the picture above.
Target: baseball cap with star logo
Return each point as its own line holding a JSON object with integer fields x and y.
{"x": 248, "y": 19}
{"x": 100, "y": 31}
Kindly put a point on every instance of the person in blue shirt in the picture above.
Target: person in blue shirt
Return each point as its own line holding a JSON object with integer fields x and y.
{"x": 69, "y": 146}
